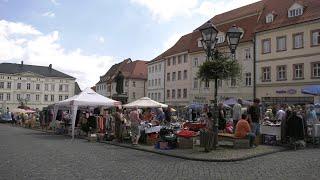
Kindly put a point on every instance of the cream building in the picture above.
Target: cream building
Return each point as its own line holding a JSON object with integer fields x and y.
{"x": 156, "y": 77}
{"x": 135, "y": 80}
{"x": 288, "y": 53}
{"x": 35, "y": 86}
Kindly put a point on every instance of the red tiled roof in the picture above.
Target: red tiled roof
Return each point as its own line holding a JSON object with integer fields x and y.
{"x": 280, "y": 7}
{"x": 135, "y": 70}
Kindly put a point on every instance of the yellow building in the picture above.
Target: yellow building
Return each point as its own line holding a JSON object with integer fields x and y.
{"x": 287, "y": 51}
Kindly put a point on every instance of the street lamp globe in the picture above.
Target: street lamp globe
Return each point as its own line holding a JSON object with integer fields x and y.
{"x": 209, "y": 33}
{"x": 233, "y": 38}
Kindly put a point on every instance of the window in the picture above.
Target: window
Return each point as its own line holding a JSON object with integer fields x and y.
{"x": 269, "y": 18}
{"x": 66, "y": 88}
{"x": 52, "y": 98}
{"x": 149, "y": 70}
{"x": 60, "y": 87}
{"x": 173, "y": 76}
{"x": 19, "y": 78}
{"x": 315, "y": 69}
{"x": 18, "y": 85}
{"x": 149, "y": 83}
{"x": 159, "y": 96}
{"x": 133, "y": 95}
{"x": 281, "y": 73}
{"x": 133, "y": 84}
{"x": 207, "y": 84}
{"x": 156, "y": 68}
{"x": 156, "y": 82}
{"x": 315, "y": 37}
{"x": 18, "y": 97}
{"x": 295, "y": 12}
{"x": 281, "y": 43}
{"x": 8, "y": 85}
{"x": 248, "y": 79}
{"x": 168, "y": 94}
{"x": 297, "y": 40}
{"x": 266, "y": 74}
{"x": 247, "y": 53}
{"x": 185, "y": 93}
{"x": 168, "y": 76}
{"x": 168, "y": 62}
{"x": 152, "y": 82}
{"x": 52, "y": 87}
{"x": 185, "y": 74}
{"x": 173, "y": 94}
{"x": 28, "y": 86}
{"x": 8, "y": 97}
{"x": 9, "y": 77}
{"x": 185, "y": 58}
{"x": 1, "y": 96}
{"x": 66, "y": 97}
{"x": 46, "y": 87}
{"x": 45, "y": 97}
{"x": 298, "y": 71}
{"x": 60, "y": 97}
{"x": 1, "y": 77}
{"x": 37, "y": 97}
{"x": 159, "y": 67}
{"x": 179, "y": 94}
{"x": 179, "y": 59}
{"x": 233, "y": 82}
{"x": 266, "y": 46}
{"x": 195, "y": 62}
{"x": 38, "y": 87}
{"x": 179, "y": 75}
{"x": 28, "y": 97}
{"x": 174, "y": 60}
{"x": 219, "y": 83}
{"x": 159, "y": 82}
{"x": 195, "y": 83}
{"x": 1, "y": 85}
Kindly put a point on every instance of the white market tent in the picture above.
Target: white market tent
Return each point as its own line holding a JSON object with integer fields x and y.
{"x": 87, "y": 98}
{"x": 145, "y": 102}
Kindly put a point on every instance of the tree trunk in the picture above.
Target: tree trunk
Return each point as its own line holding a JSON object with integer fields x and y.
{"x": 215, "y": 90}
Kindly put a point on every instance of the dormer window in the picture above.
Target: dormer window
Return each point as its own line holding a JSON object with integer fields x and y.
{"x": 295, "y": 10}
{"x": 269, "y": 18}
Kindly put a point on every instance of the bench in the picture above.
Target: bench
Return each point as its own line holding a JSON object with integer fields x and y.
{"x": 237, "y": 142}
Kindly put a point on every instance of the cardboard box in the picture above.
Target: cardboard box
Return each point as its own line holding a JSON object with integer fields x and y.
{"x": 185, "y": 143}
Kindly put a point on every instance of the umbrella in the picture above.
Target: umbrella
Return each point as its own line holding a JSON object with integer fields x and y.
{"x": 18, "y": 110}
{"x": 233, "y": 101}
{"x": 195, "y": 106}
{"x": 312, "y": 90}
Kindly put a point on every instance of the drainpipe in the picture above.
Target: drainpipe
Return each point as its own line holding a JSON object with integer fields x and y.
{"x": 254, "y": 67}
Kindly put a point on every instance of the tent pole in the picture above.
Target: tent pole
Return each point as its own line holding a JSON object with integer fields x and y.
{"x": 74, "y": 115}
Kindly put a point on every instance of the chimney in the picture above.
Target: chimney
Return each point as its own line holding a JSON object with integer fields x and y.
{"x": 50, "y": 67}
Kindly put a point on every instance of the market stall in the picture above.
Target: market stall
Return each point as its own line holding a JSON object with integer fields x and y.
{"x": 145, "y": 102}
{"x": 87, "y": 98}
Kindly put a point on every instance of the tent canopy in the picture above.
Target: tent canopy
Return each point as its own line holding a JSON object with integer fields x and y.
{"x": 312, "y": 90}
{"x": 233, "y": 101}
{"x": 145, "y": 102}
{"x": 86, "y": 98}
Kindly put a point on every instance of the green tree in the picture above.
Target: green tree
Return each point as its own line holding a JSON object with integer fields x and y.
{"x": 219, "y": 66}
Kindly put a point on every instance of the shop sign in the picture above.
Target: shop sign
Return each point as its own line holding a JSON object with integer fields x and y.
{"x": 281, "y": 91}
{"x": 292, "y": 91}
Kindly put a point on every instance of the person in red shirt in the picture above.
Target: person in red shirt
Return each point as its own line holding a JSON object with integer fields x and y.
{"x": 243, "y": 130}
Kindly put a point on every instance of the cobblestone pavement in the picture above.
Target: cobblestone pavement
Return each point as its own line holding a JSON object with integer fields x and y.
{"x": 28, "y": 154}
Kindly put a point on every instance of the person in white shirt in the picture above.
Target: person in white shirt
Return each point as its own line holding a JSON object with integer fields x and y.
{"x": 281, "y": 114}
{"x": 236, "y": 112}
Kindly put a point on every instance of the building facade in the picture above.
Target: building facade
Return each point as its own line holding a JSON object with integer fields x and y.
{"x": 135, "y": 80}
{"x": 155, "y": 87}
{"x": 288, "y": 51}
{"x": 33, "y": 86}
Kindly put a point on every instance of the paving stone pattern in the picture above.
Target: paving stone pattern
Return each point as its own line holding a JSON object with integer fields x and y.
{"x": 28, "y": 154}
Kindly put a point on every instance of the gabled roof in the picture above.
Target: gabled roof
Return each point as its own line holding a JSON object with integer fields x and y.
{"x": 13, "y": 68}
{"x": 311, "y": 12}
{"x": 77, "y": 89}
{"x": 113, "y": 70}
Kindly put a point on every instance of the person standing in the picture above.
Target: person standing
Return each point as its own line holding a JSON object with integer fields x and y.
{"x": 118, "y": 124}
{"x": 236, "y": 113}
{"x": 135, "y": 123}
{"x": 221, "y": 117}
{"x": 281, "y": 114}
{"x": 209, "y": 133}
{"x": 254, "y": 116}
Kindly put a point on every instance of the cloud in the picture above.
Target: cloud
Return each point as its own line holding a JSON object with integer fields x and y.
{"x": 101, "y": 39}
{"x": 33, "y": 47}
{"x": 54, "y": 2}
{"x": 165, "y": 10}
{"x": 49, "y": 14}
